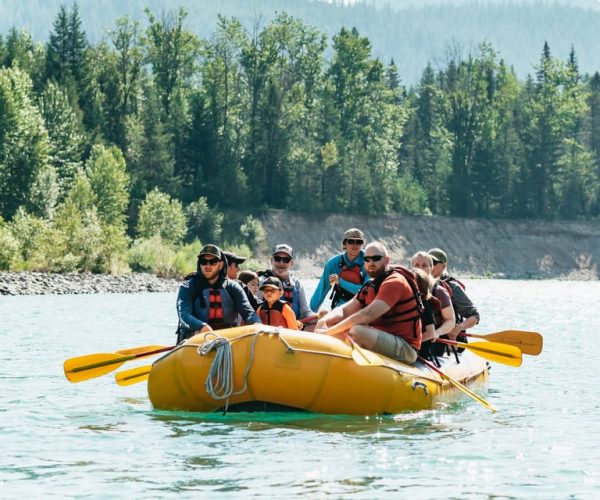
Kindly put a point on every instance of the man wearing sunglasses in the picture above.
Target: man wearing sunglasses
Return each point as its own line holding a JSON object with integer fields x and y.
{"x": 384, "y": 315}
{"x": 344, "y": 273}
{"x": 208, "y": 300}
{"x": 282, "y": 260}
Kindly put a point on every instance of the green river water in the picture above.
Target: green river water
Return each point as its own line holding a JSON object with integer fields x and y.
{"x": 98, "y": 440}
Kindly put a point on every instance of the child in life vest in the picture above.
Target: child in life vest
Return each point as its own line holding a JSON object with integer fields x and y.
{"x": 274, "y": 311}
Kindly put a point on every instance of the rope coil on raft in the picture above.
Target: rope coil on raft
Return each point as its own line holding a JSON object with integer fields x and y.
{"x": 219, "y": 381}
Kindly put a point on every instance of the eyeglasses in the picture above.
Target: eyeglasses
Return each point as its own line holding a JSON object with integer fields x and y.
{"x": 206, "y": 262}
{"x": 436, "y": 262}
{"x": 285, "y": 260}
{"x": 374, "y": 258}
{"x": 351, "y": 241}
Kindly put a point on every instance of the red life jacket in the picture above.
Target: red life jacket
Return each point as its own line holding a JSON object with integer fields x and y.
{"x": 352, "y": 274}
{"x": 215, "y": 309}
{"x": 405, "y": 315}
{"x": 273, "y": 315}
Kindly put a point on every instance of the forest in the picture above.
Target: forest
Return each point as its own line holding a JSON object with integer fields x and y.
{"x": 123, "y": 154}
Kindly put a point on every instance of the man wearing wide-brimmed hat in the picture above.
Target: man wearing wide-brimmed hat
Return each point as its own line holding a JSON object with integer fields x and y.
{"x": 344, "y": 273}
{"x": 208, "y": 300}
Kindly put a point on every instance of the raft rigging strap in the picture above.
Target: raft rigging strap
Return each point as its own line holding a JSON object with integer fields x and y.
{"x": 219, "y": 382}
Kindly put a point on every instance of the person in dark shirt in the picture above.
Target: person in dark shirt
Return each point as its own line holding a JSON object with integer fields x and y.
{"x": 467, "y": 315}
{"x": 208, "y": 300}
{"x": 233, "y": 264}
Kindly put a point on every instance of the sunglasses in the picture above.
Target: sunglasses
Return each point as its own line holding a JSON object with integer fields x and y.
{"x": 436, "y": 262}
{"x": 374, "y": 258}
{"x": 206, "y": 262}
{"x": 351, "y": 241}
{"x": 285, "y": 260}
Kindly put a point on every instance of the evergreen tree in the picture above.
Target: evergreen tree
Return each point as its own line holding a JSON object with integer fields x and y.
{"x": 24, "y": 144}
{"x": 64, "y": 132}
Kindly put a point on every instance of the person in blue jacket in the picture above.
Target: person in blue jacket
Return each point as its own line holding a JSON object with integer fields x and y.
{"x": 344, "y": 273}
{"x": 208, "y": 300}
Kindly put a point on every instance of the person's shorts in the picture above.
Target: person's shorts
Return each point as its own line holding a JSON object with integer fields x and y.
{"x": 395, "y": 347}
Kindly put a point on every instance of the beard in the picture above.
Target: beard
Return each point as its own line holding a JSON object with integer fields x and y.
{"x": 375, "y": 273}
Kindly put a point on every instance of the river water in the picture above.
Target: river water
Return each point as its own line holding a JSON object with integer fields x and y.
{"x": 96, "y": 439}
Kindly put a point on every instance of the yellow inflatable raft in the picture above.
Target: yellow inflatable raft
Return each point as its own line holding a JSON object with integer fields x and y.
{"x": 305, "y": 371}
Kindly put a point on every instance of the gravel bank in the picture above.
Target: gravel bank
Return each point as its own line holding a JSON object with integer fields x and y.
{"x": 29, "y": 283}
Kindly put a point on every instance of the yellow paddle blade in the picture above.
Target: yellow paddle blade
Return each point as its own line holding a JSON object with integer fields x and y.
{"x": 364, "y": 357}
{"x": 133, "y": 376}
{"x": 500, "y": 353}
{"x": 468, "y": 391}
{"x": 93, "y": 365}
{"x": 137, "y": 350}
{"x": 459, "y": 386}
{"x": 529, "y": 342}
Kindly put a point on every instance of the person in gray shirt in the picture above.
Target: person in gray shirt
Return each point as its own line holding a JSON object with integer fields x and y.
{"x": 467, "y": 315}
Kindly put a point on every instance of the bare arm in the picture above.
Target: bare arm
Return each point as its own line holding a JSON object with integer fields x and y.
{"x": 337, "y": 314}
{"x": 360, "y": 317}
{"x": 469, "y": 322}
{"x": 449, "y": 321}
{"x": 429, "y": 333}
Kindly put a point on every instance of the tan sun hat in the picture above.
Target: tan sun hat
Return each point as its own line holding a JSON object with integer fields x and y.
{"x": 354, "y": 233}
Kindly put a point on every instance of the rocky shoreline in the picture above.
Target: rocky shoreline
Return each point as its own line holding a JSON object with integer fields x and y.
{"x": 33, "y": 283}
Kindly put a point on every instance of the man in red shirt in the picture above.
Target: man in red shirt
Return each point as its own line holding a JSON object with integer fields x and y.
{"x": 383, "y": 316}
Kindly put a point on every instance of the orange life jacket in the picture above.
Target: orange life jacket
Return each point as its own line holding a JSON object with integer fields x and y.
{"x": 273, "y": 315}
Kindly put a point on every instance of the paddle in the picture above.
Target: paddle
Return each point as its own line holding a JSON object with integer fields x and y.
{"x": 458, "y": 385}
{"x": 364, "y": 357}
{"x": 529, "y": 342}
{"x": 310, "y": 319}
{"x": 136, "y": 350}
{"x": 500, "y": 353}
{"x": 134, "y": 375}
{"x": 94, "y": 365}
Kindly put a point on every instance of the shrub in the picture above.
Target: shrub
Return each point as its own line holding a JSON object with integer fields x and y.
{"x": 112, "y": 254}
{"x": 152, "y": 255}
{"x": 204, "y": 222}
{"x": 254, "y": 233}
{"x": 159, "y": 215}
{"x": 36, "y": 241}
{"x": 9, "y": 248}
{"x": 79, "y": 235}
{"x": 186, "y": 258}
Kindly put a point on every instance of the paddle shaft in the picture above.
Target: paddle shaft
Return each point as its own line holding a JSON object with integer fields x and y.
{"x": 458, "y": 385}
{"x": 133, "y": 376}
{"x": 120, "y": 359}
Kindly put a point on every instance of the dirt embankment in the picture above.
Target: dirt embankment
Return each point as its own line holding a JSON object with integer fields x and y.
{"x": 483, "y": 248}
{"x": 492, "y": 248}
